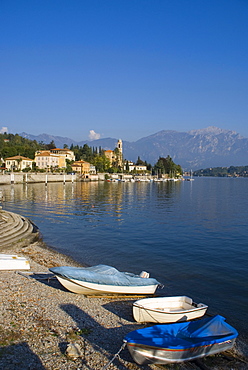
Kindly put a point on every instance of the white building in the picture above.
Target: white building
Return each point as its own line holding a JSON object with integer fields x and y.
{"x": 134, "y": 167}
{"x": 18, "y": 162}
{"x": 45, "y": 160}
{"x": 54, "y": 158}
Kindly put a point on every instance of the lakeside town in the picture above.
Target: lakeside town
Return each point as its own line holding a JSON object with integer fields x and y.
{"x": 86, "y": 163}
{"x": 80, "y": 333}
{"x": 19, "y": 155}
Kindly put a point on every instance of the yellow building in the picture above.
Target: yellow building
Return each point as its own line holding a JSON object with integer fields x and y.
{"x": 64, "y": 153}
{"x": 115, "y": 156}
{"x": 110, "y": 155}
{"x": 81, "y": 167}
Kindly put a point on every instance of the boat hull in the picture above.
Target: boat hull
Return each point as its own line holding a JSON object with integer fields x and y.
{"x": 13, "y": 262}
{"x": 144, "y": 355}
{"x": 179, "y": 342}
{"x": 167, "y": 309}
{"x": 86, "y": 288}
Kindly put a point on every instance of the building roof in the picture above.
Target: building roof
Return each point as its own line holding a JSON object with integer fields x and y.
{"x": 63, "y": 150}
{"x": 45, "y": 154}
{"x": 19, "y": 157}
{"x": 80, "y": 162}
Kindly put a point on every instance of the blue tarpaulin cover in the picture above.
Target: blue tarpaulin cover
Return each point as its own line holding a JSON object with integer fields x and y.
{"x": 184, "y": 335}
{"x": 102, "y": 274}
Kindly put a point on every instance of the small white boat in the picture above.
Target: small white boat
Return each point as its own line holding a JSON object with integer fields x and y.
{"x": 167, "y": 309}
{"x": 13, "y": 262}
{"x": 179, "y": 342}
{"x": 103, "y": 279}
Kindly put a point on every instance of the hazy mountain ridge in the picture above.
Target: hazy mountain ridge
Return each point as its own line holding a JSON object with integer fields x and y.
{"x": 46, "y": 138}
{"x": 195, "y": 149}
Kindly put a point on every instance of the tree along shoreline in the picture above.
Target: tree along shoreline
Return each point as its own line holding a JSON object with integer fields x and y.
{"x": 232, "y": 171}
{"x": 15, "y": 145}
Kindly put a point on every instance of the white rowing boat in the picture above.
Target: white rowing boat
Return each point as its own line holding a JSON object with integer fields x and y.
{"x": 13, "y": 262}
{"x": 167, "y": 309}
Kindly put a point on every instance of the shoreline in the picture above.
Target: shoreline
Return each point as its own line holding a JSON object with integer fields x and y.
{"x": 40, "y": 318}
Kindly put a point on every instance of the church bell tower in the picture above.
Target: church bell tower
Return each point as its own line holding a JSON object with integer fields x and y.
{"x": 119, "y": 146}
{"x": 120, "y": 156}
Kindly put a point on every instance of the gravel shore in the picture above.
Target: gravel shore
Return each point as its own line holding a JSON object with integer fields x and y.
{"x": 40, "y": 319}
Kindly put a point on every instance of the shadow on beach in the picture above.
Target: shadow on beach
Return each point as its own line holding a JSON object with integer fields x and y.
{"x": 102, "y": 339}
{"x": 25, "y": 360}
{"x": 45, "y": 278}
{"x": 108, "y": 341}
{"x": 122, "y": 309}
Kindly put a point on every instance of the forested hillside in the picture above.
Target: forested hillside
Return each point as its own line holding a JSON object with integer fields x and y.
{"x": 11, "y": 145}
{"x": 234, "y": 171}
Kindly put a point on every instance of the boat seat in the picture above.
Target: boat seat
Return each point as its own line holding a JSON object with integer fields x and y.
{"x": 179, "y": 309}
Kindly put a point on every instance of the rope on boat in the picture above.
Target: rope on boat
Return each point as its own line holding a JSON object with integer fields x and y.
{"x": 35, "y": 275}
{"x": 115, "y": 356}
{"x": 148, "y": 312}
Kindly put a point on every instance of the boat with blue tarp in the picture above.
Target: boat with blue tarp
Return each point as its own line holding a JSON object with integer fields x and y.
{"x": 103, "y": 279}
{"x": 179, "y": 342}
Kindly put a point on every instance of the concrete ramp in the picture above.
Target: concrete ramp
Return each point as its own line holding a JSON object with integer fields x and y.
{"x": 16, "y": 230}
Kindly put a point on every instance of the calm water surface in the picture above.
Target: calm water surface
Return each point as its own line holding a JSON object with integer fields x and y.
{"x": 191, "y": 236}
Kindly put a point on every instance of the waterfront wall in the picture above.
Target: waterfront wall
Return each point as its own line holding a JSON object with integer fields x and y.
{"x": 22, "y": 178}
{"x": 32, "y": 177}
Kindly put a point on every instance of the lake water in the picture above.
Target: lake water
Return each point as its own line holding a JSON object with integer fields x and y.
{"x": 192, "y": 235}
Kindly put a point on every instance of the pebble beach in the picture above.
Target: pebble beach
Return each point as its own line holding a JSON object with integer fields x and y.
{"x": 44, "y": 326}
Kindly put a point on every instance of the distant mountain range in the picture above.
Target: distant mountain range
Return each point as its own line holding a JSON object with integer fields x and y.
{"x": 196, "y": 149}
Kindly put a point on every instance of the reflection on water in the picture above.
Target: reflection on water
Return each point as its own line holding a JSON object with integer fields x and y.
{"x": 191, "y": 236}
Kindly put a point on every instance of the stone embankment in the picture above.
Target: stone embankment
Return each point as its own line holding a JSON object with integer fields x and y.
{"x": 16, "y": 229}
{"x": 45, "y": 327}
{"x": 32, "y": 178}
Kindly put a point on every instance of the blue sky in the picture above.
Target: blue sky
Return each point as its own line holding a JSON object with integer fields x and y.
{"x": 123, "y": 68}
